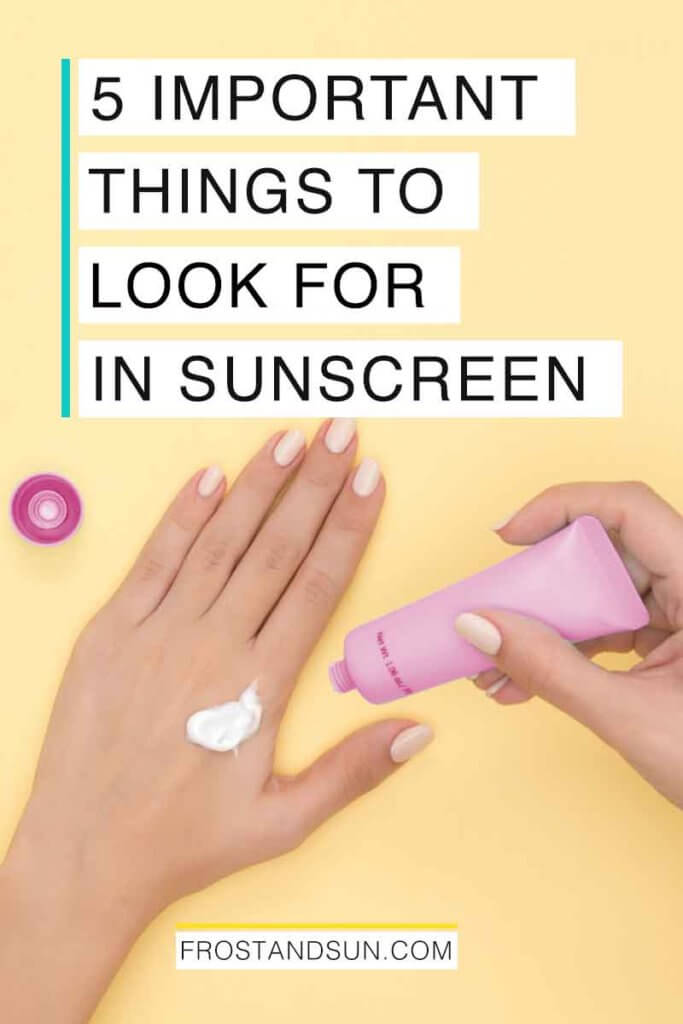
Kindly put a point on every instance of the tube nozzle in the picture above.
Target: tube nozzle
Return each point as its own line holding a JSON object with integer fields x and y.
{"x": 340, "y": 677}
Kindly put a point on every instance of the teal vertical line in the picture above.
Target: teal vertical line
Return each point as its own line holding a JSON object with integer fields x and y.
{"x": 65, "y": 165}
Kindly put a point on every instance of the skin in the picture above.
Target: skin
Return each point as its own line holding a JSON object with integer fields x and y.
{"x": 640, "y": 712}
{"x": 125, "y": 815}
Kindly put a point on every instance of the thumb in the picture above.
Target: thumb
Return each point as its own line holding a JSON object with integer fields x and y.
{"x": 542, "y": 662}
{"x": 351, "y": 768}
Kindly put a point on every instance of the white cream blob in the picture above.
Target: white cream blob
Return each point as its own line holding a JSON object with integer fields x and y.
{"x": 225, "y": 726}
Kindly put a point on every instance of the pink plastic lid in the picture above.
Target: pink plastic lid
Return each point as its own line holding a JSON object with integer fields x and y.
{"x": 46, "y": 508}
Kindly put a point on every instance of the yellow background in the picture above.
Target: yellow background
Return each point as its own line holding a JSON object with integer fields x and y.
{"x": 562, "y": 868}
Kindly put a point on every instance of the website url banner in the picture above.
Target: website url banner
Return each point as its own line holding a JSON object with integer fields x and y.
{"x": 317, "y": 948}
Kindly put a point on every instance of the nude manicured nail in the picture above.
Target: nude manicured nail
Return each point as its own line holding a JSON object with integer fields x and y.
{"x": 496, "y": 687}
{"x": 366, "y": 478}
{"x": 410, "y": 742}
{"x": 339, "y": 434}
{"x": 479, "y": 632}
{"x": 503, "y": 522}
{"x": 288, "y": 447}
{"x": 209, "y": 481}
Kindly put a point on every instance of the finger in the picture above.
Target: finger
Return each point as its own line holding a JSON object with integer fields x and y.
{"x": 659, "y": 619}
{"x": 162, "y": 556}
{"x": 499, "y": 687}
{"x": 544, "y": 663}
{"x": 642, "y": 642}
{"x": 649, "y": 639}
{"x": 615, "y": 643}
{"x": 347, "y": 771}
{"x": 647, "y": 526}
{"x": 496, "y": 684}
{"x": 287, "y": 534}
{"x": 487, "y": 678}
{"x": 228, "y": 533}
{"x": 664, "y": 654}
{"x": 508, "y": 693}
{"x": 303, "y": 611}
{"x": 620, "y": 643}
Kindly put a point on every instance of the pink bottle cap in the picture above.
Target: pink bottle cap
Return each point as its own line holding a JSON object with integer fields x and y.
{"x": 46, "y": 508}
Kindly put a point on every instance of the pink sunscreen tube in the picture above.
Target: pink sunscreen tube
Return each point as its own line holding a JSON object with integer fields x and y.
{"x": 574, "y": 581}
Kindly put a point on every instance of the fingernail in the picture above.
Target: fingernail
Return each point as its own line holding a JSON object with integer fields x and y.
{"x": 503, "y": 522}
{"x": 339, "y": 434}
{"x": 288, "y": 447}
{"x": 366, "y": 478}
{"x": 479, "y": 632}
{"x": 496, "y": 687}
{"x": 410, "y": 742}
{"x": 209, "y": 481}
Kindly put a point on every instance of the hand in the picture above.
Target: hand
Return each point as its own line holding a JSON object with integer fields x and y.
{"x": 640, "y": 712}
{"x": 126, "y": 815}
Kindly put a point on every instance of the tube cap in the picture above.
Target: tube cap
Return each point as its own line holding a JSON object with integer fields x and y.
{"x": 340, "y": 677}
{"x": 46, "y": 509}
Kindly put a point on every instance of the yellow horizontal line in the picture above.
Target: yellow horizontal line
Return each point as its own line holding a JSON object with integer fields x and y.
{"x": 212, "y": 926}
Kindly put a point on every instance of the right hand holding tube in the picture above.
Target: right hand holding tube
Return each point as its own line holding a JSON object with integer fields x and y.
{"x": 638, "y": 712}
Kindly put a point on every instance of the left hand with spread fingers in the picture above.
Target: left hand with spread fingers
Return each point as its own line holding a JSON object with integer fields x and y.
{"x": 234, "y": 587}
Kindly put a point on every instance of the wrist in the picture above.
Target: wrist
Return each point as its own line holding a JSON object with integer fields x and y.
{"x": 65, "y": 929}
{"x": 68, "y": 881}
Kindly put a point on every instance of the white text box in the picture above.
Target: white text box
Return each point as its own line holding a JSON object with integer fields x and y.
{"x": 436, "y": 379}
{"x": 327, "y": 97}
{"x": 274, "y": 284}
{"x": 334, "y": 948}
{"x": 293, "y": 191}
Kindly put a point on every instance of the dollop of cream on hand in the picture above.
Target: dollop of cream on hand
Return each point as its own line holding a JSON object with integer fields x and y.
{"x": 225, "y": 726}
